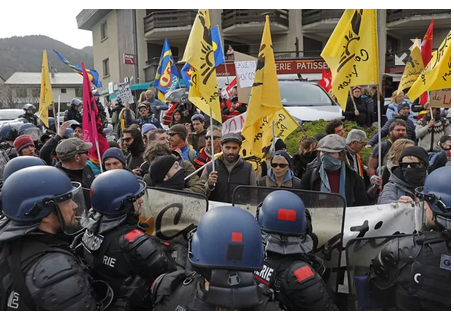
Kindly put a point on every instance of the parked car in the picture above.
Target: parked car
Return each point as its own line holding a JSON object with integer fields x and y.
{"x": 8, "y": 115}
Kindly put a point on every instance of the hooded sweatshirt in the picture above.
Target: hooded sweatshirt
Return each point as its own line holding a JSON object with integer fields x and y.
{"x": 396, "y": 188}
{"x": 135, "y": 159}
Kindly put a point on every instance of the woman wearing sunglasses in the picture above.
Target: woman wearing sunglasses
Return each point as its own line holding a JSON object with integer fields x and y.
{"x": 281, "y": 173}
{"x": 410, "y": 174}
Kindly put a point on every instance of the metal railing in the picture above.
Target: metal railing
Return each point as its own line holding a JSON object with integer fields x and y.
{"x": 168, "y": 19}
{"x": 312, "y": 16}
{"x": 398, "y": 14}
{"x": 235, "y": 17}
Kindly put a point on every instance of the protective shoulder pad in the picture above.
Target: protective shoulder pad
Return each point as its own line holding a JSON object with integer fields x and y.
{"x": 146, "y": 255}
{"x": 302, "y": 272}
{"x": 59, "y": 283}
{"x": 166, "y": 284}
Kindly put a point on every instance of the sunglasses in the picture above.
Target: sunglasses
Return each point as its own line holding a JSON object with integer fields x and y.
{"x": 214, "y": 137}
{"x": 126, "y": 139}
{"x": 281, "y": 165}
{"x": 411, "y": 164}
{"x": 171, "y": 134}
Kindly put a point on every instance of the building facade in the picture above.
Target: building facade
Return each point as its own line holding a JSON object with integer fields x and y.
{"x": 296, "y": 34}
{"x": 25, "y": 88}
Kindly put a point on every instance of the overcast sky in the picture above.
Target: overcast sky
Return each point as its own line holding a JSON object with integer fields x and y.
{"x": 59, "y": 23}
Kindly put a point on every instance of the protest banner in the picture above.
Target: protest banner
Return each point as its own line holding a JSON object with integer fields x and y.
{"x": 234, "y": 124}
{"x": 440, "y": 98}
{"x": 124, "y": 92}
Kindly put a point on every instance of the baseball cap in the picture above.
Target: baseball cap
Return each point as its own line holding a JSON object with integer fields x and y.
{"x": 70, "y": 147}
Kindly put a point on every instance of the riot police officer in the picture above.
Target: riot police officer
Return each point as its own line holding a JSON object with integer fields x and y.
{"x": 8, "y": 134}
{"x": 29, "y": 114}
{"x": 38, "y": 269}
{"x": 414, "y": 272}
{"x": 115, "y": 247}
{"x": 288, "y": 260}
{"x": 74, "y": 112}
{"x": 224, "y": 251}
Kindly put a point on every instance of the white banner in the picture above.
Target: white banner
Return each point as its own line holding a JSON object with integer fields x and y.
{"x": 234, "y": 124}
{"x": 245, "y": 71}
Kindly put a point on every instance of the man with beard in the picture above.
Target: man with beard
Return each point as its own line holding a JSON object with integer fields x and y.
{"x": 397, "y": 130}
{"x": 231, "y": 171}
{"x": 430, "y": 130}
{"x": 205, "y": 154}
{"x": 177, "y": 138}
{"x": 132, "y": 141}
{"x": 403, "y": 114}
{"x": 410, "y": 173}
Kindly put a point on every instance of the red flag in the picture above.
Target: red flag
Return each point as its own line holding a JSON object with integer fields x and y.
{"x": 91, "y": 122}
{"x": 426, "y": 53}
{"x": 325, "y": 82}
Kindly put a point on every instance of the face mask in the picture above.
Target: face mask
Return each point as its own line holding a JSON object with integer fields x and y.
{"x": 414, "y": 176}
{"x": 330, "y": 163}
{"x": 174, "y": 182}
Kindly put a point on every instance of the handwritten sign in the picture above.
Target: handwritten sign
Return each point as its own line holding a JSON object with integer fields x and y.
{"x": 124, "y": 91}
{"x": 234, "y": 124}
{"x": 245, "y": 71}
{"x": 440, "y": 98}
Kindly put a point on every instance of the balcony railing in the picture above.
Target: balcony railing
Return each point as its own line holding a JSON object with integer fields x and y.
{"x": 398, "y": 14}
{"x": 168, "y": 19}
{"x": 312, "y": 16}
{"x": 236, "y": 17}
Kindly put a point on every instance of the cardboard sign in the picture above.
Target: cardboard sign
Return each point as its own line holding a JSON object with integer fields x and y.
{"x": 124, "y": 91}
{"x": 244, "y": 92}
{"x": 440, "y": 98}
{"x": 245, "y": 71}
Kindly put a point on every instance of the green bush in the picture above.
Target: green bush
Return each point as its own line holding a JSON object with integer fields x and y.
{"x": 312, "y": 128}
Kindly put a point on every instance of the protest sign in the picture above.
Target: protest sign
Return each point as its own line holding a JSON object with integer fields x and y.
{"x": 245, "y": 71}
{"x": 243, "y": 91}
{"x": 124, "y": 92}
{"x": 440, "y": 98}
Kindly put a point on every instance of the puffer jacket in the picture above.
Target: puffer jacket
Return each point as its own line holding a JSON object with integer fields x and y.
{"x": 396, "y": 188}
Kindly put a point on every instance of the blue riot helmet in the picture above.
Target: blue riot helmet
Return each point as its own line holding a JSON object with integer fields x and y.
{"x": 283, "y": 212}
{"x": 96, "y": 93}
{"x": 29, "y": 130}
{"x": 48, "y": 190}
{"x": 76, "y": 102}
{"x": 113, "y": 192}
{"x": 227, "y": 238}
{"x": 51, "y": 122}
{"x": 437, "y": 193}
{"x": 19, "y": 163}
{"x": 29, "y": 106}
{"x": 8, "y": 133}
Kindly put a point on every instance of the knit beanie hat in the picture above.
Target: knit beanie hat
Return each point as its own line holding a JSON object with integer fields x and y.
{"x": 160, "y": 166}
{"x": 418, "y": 152}
{"x": 114, "y": 153}
{"x": 403, "y": 105}
{"x": 280, "y": 145}
{"x": 284, "y": 154}
{"x": 22, "y": 142}
{"x": 179, "y": 130}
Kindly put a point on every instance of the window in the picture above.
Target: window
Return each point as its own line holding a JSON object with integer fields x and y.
{"x": 21, "y": 93}
{"x": 63, "y": 90}
{"x": 105, "y": 67}
{"x": 104, "y": 31}
{"x": 36, "y": 92}
{"x": 79, "y": 93}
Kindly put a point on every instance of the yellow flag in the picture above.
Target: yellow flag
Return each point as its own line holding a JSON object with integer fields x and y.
{"x": 437, "y": 74}
{"x": 284, "y": 125}
{"x": 203, "y": 91}
{"x": 351, "y": 52}
{"x": 413, "y": 68}
{"x": 265, "y": 101}
{"x": 46, "y": 98}
{"x": 161, "y": 95}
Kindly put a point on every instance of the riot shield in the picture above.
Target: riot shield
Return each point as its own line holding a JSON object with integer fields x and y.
{"x": 169, "y": 213}
{"x": 327, "y": 218}
{"x": 359, "y": 255}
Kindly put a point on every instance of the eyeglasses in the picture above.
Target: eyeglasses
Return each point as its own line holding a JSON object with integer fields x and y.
{"x": 126, "y": 139}
{"x": 281, "y": 165}
{"x": 431, "y": 198}
{"x": 214, "y": 137}
{"x": 411, "y": 164}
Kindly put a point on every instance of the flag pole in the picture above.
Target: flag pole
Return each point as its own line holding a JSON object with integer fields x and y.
{"x": 99, "y": 154}
{"x": 56, "y": 116}
{"x": 378, "y": 98}
{"x": 212, "y": 138}
{"x": 273, "y": 144}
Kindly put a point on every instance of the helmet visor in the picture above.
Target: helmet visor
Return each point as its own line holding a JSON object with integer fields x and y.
{"x": 71, "y": 210}
{"x": 32, "y": 133}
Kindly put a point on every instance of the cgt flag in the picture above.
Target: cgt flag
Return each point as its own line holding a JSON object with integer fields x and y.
{"x": 186, "y": 73}
{"x": 45, "y": 98}
{"x": 91, "y": 122}
{"x": 92, "y": 74}
{"x": 325, "y": 82}
{"x": 217, "y": 46}
{"x": 413, "y": 68}
{"x": 437, "y": 74}
{"x": 167, "y": 77}
{"x": 265, "y": 103}
{"x": 351, "y": 52}
{"x": 203, "y": 91}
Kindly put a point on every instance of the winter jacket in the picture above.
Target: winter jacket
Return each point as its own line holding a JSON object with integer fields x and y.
{"x": 349, "y": 112}
{"x": 396, "y": 188}
{"x": 188, "y": 153}
{"x": 411, "y": 134}
{"x": 149, "y": 119}
{"x": 73, "y": 114}
{"x": 197, "y": 141}
{"x": 300, "y": 163}
{"x": 355, "y": 191}
{"x": 429, "y": 137}
{"x": 290, "y": 181}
